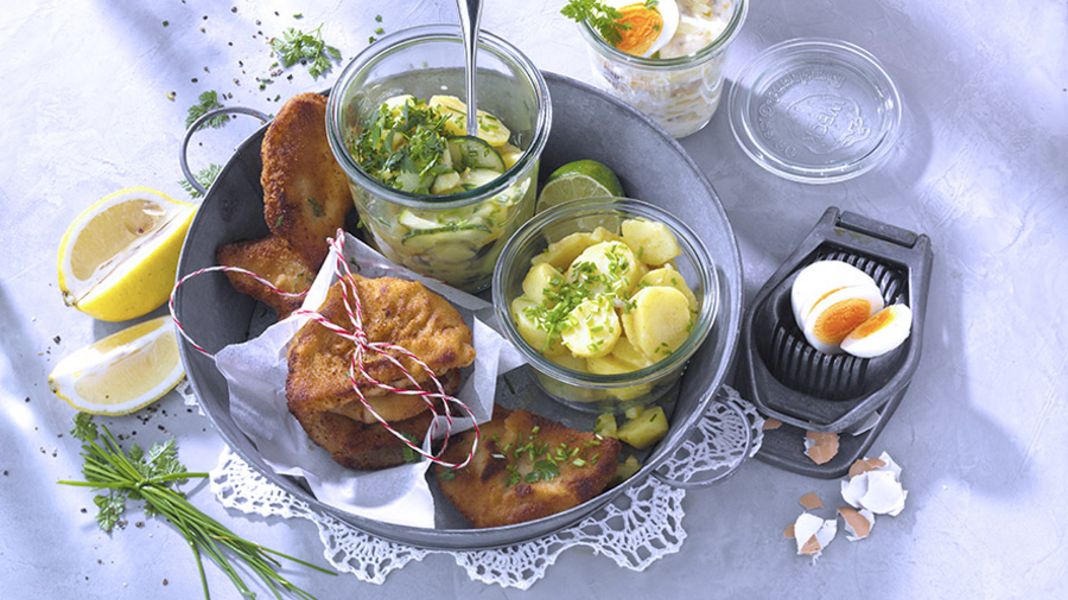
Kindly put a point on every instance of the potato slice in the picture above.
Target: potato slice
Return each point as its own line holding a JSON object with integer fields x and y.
{"x": 668, "y": 276}
{"x": 562, "y": 253}
{"x": 569, "y": 361}
{"x": 605, "y": 425}
{"x": 528, "y": 328}
{"x": 615, "y": 261}
{"x": 610, "y": 365}
{"x": 509, "y": 154}
{"x": 659, "y": 321}
{"x": 627, "y": 354}
{"x": 490, "y": 128}
{"x": 541, "y": 277}
{"x": 592, "y": 328}
{"x": 653, "y": 243}
{"x": 626, "y": 469}
{"x": 647, "y": 429}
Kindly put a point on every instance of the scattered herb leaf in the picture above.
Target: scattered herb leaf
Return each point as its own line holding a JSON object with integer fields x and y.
{"x": 204, "y": 177}
{"x": 207, "y": 101}
{"x": 306, "y": 48}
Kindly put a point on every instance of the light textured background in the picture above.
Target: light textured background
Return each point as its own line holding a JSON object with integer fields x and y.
{"x": 981, "y": 167}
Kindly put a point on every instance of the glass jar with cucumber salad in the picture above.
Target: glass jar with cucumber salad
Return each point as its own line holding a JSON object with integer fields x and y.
{"x": 431, "y": 197}
{"x": 664, "y": 57}
{"x": 607, "y": 299}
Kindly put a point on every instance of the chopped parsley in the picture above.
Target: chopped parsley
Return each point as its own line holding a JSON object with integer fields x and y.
{"x": 307, "y": 49}
{"x": 207, "y": 101}
{"x": 316, "y": 206}
{"x": 403, "y": 147}
{"x": 530, "y": 460}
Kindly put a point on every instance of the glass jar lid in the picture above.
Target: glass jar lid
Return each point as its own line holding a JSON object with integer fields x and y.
{"x": 815, "y": 110}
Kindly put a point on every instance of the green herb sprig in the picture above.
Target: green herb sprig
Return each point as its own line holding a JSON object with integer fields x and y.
{"x": 208, "y": 100}
{"x": 599, "y": 15}
{"x": 151, "y": 477}
{"x": 306, "y": 48}
{"x": 204, "y": 177}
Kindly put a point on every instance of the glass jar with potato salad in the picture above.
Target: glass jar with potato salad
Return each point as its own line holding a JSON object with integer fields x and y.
{"x": 429, "y": 196}
{"x": 607, "y": 299}
{"x": 664, "y": 57}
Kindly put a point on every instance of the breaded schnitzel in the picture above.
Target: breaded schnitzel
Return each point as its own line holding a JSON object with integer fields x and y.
{"x": 272, "y": 259}
{"x": 305, "y": 193}
{"x": 318, "y": 388}
{"x": 526, "y": 467}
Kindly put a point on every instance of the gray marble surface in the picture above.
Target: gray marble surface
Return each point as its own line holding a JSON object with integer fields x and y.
{"x": 980, "y": 167}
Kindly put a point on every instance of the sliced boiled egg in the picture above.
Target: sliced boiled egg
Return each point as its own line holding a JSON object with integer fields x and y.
{"x": 835, "y": 316}
{"x": 650, "y": 25}
{"x": 884, "y": 331}
{"x": 819, "y": 280}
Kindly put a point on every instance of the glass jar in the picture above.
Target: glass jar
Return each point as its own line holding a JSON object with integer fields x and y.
{"x": 587, "y": 391}
{"x": 680, "y": 93}
{"x": 462, "y": 234}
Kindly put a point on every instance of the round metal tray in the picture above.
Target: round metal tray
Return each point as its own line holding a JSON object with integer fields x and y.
{"x": 586, "y": 124}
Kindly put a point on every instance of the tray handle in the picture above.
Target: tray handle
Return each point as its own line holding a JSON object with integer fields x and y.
{"x": 183, "y": 151}
{"x": 720, "y": 474}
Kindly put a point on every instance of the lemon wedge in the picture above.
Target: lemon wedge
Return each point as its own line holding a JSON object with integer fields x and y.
{"x": 121, "y": 373}
{"x": 118, "y": 258}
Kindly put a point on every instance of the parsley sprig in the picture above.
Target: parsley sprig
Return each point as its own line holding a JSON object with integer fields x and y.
{"x": 306, "y": 48}
{"x": 204, "y": 177}
{"x": 152, "y": 477}
{"x": 531, "y": 460}
{"x": 599, "y": 15}
{"x": 208, "y": 100}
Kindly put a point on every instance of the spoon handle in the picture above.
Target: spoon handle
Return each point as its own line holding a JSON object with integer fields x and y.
{"x": 470, "y": 16}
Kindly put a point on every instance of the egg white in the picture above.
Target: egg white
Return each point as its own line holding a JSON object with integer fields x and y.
{"x": 888, "y": 337}
{"x": 818, "y": 279}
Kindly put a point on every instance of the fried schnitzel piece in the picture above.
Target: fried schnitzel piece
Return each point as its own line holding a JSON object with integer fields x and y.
{"x": 305, "y": 193}
{"x": 273, "y": 259}
{"x": 503, "y": 485}
{"x": 367, "y": 445}
{"x": 319, "y": 391}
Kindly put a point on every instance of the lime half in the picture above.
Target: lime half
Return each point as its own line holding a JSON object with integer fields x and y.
{"x": 578, "y": 180}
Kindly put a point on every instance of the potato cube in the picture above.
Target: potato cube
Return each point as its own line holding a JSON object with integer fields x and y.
{"x": 649, "y": 428}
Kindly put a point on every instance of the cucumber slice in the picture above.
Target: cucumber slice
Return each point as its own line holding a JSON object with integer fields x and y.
{"x": 474, "y": 153}
{"x": 415, "y": 222}
{"x": 476, "y": 178}
{"x": 414, "y": 183}
{"x": 446, "y": 183}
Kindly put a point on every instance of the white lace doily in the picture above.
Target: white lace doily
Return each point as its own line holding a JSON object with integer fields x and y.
{"x": 641, "y": 526}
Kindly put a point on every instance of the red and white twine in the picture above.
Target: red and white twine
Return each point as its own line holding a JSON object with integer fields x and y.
{"x": 362, "y": 348}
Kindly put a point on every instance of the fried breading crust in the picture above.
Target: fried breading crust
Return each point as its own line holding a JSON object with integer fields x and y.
{"x": 319, "y": 391}
{"x": 481, "y": 492}
{"x": 274, "y": 260}
{"x": 395, "y": 310}
{"x": 368, "y": 446}
{"x": 305, "y": 193}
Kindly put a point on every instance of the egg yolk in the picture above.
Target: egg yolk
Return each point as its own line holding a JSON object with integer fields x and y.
{"x": 835, "y": 323}
{"x": 877, "y": 322}
{"x": 642, "y": 27}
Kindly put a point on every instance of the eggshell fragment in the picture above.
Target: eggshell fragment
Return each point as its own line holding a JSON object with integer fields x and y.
{"x": 858, "y": 524}
{"x": 813, "y": 534}
{"x": 770, "y": 424}
{"x": 875, "y": 487}
{"x": 863, "y": 465}
{"x": 811, "y": 501}
{"x": 789, "y": 531}
{"x": 821, "y": 447}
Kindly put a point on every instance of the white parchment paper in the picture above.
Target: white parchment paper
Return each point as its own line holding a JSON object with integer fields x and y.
{"x": 256, "y": 374}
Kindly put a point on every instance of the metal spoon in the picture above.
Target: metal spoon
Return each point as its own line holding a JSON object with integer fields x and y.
{"x": 470, "y": 15}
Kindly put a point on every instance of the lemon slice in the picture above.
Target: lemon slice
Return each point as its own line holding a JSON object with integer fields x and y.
{"x": 121, "y": 373}
{"x": 118, "y": 258}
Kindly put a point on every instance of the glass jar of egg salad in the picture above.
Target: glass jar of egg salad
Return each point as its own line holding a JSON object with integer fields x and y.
{"x": 668, "y": 65}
